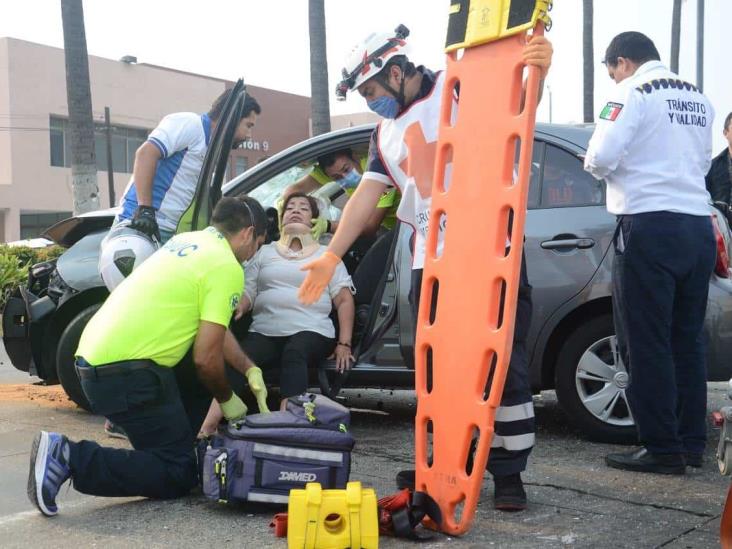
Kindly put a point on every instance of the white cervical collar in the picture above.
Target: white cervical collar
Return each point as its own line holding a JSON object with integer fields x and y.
{"x": 306, "y": 241}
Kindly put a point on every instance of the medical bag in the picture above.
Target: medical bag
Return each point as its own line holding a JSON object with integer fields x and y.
{"x": 264, "y": 456}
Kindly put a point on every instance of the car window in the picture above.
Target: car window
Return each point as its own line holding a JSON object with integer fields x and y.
{"x": 565, "y": 183}
{"x": 268, "y": 192}
{"x": 534, "y": 183}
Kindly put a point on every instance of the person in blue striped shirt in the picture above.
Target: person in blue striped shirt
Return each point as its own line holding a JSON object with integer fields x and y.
{"x": 168, "y": 164}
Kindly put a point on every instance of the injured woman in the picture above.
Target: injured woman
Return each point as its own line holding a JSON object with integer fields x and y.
{"x": 284, "y": 333}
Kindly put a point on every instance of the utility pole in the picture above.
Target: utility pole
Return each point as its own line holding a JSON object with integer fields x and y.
{"x": 700, "y": 44}
{"x": 549, "y": 89}
{"x": 675, "y": 36}
{"x": 588, "y": 61}
{"x": 110, "y": 171}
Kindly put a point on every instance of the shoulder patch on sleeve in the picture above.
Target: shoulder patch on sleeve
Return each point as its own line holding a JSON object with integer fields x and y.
{"x": 611, "y": 111}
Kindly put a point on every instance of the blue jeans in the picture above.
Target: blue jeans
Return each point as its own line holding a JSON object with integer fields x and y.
{"x": 145, "y": 401}
{"x": 166, "y": 235}
{"x": 663, "y": 262}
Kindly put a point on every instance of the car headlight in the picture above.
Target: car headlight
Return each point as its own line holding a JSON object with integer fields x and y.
{"x": 40, "y": 270}
{"x": 57, "y": 287}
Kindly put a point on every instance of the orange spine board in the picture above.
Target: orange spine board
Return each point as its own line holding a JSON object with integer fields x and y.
{"x": 470, "y": 332}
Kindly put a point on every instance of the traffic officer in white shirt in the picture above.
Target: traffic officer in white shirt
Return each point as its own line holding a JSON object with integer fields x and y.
{"x": 402, "y": 154}
{"x": 168, "y": 164}
{"x": 652, "y": 145}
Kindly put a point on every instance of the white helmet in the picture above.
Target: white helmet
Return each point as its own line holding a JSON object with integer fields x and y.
{"x": 369, "y": 57}
{"x": 122, "y": 251}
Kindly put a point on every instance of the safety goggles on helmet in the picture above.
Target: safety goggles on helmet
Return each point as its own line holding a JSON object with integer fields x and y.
{"x": 369, "y": 57}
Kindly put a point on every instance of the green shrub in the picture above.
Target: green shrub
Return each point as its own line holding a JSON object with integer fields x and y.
{"x": 14, "y": 264}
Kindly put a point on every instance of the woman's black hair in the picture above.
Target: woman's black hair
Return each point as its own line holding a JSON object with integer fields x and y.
{"x": 314, "y": 210}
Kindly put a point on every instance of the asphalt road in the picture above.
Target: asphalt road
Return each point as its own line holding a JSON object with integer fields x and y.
{"x": 574, "y": 500}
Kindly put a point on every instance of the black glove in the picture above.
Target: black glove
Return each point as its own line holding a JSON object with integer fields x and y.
{"x": 145, "y": 222}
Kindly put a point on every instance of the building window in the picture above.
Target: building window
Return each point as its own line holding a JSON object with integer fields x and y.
{"x": 237, "y": 165}
{"x": 57, "y": 142}
{"x": 241, "y": 164}
{"x": 33, "y": 224}
{"x": 125, "y": 141}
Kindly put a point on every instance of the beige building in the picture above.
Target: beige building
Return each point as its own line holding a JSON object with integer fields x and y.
{"x": 35, "y": 178}
{"x": 340, "y": 121}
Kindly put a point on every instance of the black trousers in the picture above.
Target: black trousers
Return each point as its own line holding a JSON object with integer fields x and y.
{"x": 663, "y": 262}
{"x": 515, "y": 423}
{"x": 293, "y": 355}
{"x": 367, "y": 275}
{"x": 142, "y": 398}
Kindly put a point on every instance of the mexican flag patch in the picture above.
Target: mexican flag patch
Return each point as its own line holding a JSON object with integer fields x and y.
{"x": 611, "y": 111}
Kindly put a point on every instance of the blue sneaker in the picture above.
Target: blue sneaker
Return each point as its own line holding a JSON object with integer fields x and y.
{"x": 49, "y": 469}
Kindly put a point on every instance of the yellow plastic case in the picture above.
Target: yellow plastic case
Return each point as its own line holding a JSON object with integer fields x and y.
{"x": 476, "y": 22}
{"x": 332, "y": 519}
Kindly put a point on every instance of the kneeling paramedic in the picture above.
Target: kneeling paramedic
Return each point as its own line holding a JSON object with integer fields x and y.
{"x": 408, "y": 98}
{"x": 181, "y": 296}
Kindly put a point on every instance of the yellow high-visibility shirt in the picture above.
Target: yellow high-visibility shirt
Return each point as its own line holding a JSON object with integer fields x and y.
{"x": 155, "y": 313}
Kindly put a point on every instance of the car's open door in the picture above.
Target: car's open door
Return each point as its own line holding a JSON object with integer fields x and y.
{"x": 208, "y": 188}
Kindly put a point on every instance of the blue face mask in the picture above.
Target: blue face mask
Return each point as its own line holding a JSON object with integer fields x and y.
{"x": 350, "y": 180}
{"x": 386, "y": 106}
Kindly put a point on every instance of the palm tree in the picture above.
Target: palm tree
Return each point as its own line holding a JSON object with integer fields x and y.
{"x": 675, "y": 35}
{"x": 81, "y": 122}
{"x": 588, "y": 69}
{"x": 319, "y": 105}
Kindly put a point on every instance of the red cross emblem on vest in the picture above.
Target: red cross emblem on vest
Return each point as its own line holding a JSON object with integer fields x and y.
{"x": 420, "y": 160}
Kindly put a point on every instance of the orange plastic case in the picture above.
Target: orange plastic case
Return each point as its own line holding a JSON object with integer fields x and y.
{"x": 468, "y": 341}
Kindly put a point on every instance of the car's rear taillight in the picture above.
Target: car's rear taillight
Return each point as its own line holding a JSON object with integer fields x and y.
{"x": 721, "y": 267}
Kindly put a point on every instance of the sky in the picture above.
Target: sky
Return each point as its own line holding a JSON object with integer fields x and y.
{"x": 267, "y": 42}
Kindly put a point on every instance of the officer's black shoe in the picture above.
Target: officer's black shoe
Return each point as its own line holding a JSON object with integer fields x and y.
{"x": 694, "y": 460}
{"x": 509, "y": 493}
{"x": 643, "y": 461}
{"x": 405, "y": 479}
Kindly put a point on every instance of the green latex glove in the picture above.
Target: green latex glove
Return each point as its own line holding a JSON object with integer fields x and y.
{"x": 256, "y": 384}
{"x": 234, "y": 408}
{"x": 320, "y": 227}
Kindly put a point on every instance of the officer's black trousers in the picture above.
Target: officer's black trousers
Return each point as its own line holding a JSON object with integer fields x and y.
{"x": 515, "y": 425}
{"x": 147, "y": 404}
{"x": 661, "y": 271}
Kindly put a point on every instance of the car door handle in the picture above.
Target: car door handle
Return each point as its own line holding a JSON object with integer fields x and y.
{"x": 579, "y": 243}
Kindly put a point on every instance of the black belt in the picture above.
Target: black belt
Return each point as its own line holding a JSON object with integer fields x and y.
{"x": 87, "y": 371}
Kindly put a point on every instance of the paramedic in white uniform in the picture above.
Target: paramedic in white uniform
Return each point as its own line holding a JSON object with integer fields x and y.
{"x": 408, "y": 99}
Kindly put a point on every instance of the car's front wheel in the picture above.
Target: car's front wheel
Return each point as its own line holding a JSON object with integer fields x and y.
{"x": 65, "y": 356}
{"x": 591, "y": 380}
